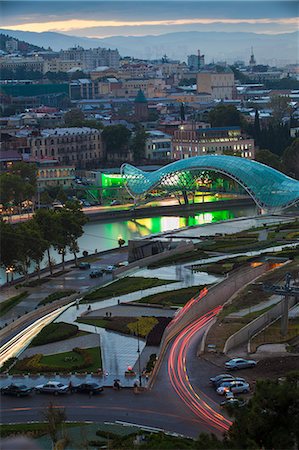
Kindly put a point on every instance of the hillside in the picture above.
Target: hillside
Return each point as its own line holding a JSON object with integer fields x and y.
{"x": 23, "y": 46}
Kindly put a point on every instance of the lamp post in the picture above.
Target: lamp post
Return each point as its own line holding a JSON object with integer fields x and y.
{"x": 139, "y": 362}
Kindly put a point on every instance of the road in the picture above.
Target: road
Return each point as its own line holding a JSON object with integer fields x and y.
{"x": 180, "y": 401}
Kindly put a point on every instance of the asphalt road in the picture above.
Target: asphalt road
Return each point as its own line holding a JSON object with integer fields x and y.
{"x": 160, "y": 407}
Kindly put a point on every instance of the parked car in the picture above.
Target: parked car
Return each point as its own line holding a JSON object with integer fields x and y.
{"x": 88, "y": 388}
{"x": 228, "y": 383}
{"x": 19, "y": 390}
{"x": 233, "y": 403}
{"x": 96, "y": 273}
{"x": 52, "y": 387}
{"x": 240, "y": 363}
{"x": 223, "y": 376}
{"x": 109, "y": 269}
{"x": 236, "y": 387}
{"x": 84, "y": 266}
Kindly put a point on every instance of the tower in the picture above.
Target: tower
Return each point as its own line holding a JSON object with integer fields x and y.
{"x": 141, "y": 106}
{"x": 252, "y": 61}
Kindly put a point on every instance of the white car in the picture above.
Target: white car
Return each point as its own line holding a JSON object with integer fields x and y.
{"x": 52, "y": 387}
{"x": 240, "y": 363}
{"x": 236, "y": 387}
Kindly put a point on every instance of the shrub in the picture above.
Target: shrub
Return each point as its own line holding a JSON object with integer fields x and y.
{"x": 55, "y": 332}
{"x": 56, "y": 296}
{"x": 11, "y": 302}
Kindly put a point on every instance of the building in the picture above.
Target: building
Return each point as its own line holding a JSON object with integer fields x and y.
{"x": 158, "y": 145}
{"x": 141, "y": 106}
{"x": 252, "y": 61}
{"x": 12, "y": 45}
{"x": 15, "y": 63}
{"x": 57, "y": 65}
{"x": 218, "y": 83}
{"x": 189, "y": 141}
{"x": 92, "y": 58}
{"x": 49, "y": 175}
{"x": 81, "y": 147}
{"x": 196, "y": 62}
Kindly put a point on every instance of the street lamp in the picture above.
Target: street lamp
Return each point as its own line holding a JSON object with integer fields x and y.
{"x": 139, "y": 362}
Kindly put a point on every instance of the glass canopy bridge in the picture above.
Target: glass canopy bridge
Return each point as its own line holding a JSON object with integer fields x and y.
{"x": 271, "y": 190}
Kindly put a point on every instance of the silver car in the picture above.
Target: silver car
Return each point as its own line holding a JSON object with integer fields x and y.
{"x": 52, "y": 387}
{"x": 228, "y": 383}
{"x": 240, "y": 363}
{"x": 236, "y": 387}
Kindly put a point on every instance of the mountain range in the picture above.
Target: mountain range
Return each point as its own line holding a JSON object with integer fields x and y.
{"x": 270, "y": 49}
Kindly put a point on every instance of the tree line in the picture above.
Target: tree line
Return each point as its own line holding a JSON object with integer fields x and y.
{"x": 27, "y": 243}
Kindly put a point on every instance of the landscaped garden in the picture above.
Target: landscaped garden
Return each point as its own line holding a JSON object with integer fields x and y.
{"x": 77, "y": 360}
{"x": 124, "y": 286}
{"x": 177, "y": 298}
{"x": 54, "y": 332}
{"x": 56, "y": 296}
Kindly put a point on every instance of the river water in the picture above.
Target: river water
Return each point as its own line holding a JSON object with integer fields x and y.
{"x": 101, "y": 236}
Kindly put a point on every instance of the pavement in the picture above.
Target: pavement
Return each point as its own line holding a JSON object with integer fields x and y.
{"x": 131, "y": 311}
{"x": 273, "y": 300}
{"x": 87, "y": 341}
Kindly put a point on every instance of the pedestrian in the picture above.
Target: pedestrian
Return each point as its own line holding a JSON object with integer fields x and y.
{"x": 135, "y": 386}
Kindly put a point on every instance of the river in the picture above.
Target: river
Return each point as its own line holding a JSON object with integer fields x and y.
{"x": 101, "y": 236}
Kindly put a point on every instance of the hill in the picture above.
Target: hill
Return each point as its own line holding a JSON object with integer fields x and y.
{"x": 218, "y": 45}
{"x": 22, "y": 45}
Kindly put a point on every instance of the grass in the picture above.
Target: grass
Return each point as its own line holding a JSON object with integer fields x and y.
{"x": 67, "y": 365}
{"x": 178, "y": 297}
{"x": 126, "y": 325}
{"x": 55, "y": 332}
{"x": 250, "y": 296}
{"x": 118, "y": 324}
{"x": 10, "y": 303}
{"x": 181, "y": 258}
{"x": 124, "y": 286}
{"x": 56, "y": 296}
{"x": 39, "y": 428}
{"x": 272, "y": 334}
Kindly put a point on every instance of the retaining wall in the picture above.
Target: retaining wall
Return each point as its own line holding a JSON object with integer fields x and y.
{"x": 257, "y": 325}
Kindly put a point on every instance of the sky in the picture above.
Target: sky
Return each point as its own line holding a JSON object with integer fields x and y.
{"x": 138, "y": 18}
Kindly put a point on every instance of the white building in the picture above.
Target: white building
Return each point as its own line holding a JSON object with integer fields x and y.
{"x": 158, "y": 145}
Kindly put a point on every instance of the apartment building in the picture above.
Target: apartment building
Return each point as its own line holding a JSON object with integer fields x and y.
{"x": 92, "y": 58}
{"x": 35, "y": 64}
{"x": 81, "y": 147}
{"x": 158, "y": 145}
{"x": 220, "y": 84}
{"x": 189, "y": 141}
{"x": 57, "y": 65}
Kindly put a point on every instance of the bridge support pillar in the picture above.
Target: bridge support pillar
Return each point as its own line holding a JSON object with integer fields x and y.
{"x": 185, "y": 196}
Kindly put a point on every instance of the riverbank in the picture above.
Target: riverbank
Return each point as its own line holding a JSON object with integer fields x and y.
{"x": 172, "y": 210}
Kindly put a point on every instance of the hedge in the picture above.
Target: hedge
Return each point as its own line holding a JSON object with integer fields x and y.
{"x": 55, "y": 332}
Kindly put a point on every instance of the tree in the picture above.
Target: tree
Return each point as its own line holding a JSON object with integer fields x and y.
{"x": 48, "y": 227}
{"x": 138, "y": 144}
{"x": 55, "y": 419}
{"x": 31, "y": 246}
{"x": 256, "y": 126}
{"x": 9, "y": 247}
{"x": 116, "y": 139}
{"x": 290, "y": 158}
{"x": 182, "y": 112}
{"x": 18, "y": 184}
{"x": 271, "y": 419}
{"x": 280, "y": 107}
{"x": 269, "y": 158}
{"x": 224, "y": 115}
{"x": 74, "y": 118}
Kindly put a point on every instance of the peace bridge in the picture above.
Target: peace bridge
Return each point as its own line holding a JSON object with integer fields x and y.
{"x": 270, "y": 189}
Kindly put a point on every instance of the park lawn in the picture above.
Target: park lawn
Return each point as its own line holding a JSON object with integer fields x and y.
{"x": 178, "y": 297}
{"x": 118, "y": 324}
{"x": 68, "y": 365}
{"x": 11, "y": 302}
{"x": 55, "y": 331}
{"x": 124, "y": 286}
{"x": 272, "y": 334}
{"x": 37, "y": 428}
{"x": 180, "y": 258}
{"x": 56, "y": 296}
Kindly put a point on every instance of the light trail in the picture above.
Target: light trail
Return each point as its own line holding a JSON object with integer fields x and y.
{"x": 20, "y": 341}
{"x": 179, "y": 378}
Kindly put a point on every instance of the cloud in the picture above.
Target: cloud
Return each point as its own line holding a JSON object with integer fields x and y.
{"x": 77, "y": 24}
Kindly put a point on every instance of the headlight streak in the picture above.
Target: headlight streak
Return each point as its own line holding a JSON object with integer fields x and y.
{"x": 179, "y": 378}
